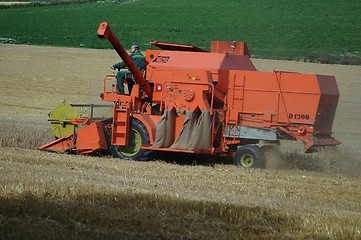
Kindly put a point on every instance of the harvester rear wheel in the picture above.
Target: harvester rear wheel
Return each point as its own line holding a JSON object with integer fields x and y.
{"x": 138, "y": 135}
{"x": 248, "y": 156}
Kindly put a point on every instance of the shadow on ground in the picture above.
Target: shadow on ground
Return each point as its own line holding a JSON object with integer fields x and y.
{"x": 137, "y": 216}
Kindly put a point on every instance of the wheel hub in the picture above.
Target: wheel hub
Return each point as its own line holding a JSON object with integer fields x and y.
{"x": 247, "y": 160}
{"x": 134, "y": 144}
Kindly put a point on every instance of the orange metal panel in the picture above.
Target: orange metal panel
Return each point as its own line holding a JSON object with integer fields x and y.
{"x": 60, "y": 144}
{"x": 271, "y": 99}
{"x": 91, "y": 138}
{"x": 186, "y": 96}
{"x": 301, "y": 96}
{"x": 328, "y": 103}
{"x": 175, "y": 61}
{"x": 150, "y": 123}
{"x": 176, "y": 47}
{"x": 230, "y": 47}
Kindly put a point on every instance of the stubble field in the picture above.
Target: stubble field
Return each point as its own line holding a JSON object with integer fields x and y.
{"x": 56, "y": 196}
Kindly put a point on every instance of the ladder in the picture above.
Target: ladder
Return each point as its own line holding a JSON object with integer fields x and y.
{"x": 121, "y": 119}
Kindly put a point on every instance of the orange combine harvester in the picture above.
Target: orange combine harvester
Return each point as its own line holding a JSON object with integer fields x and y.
{"x": 214, "y": 103}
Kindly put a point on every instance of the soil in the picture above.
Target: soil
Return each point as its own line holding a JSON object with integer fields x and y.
{"x": 35, "y": 79}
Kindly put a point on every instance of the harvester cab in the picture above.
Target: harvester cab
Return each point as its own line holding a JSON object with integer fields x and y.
{"x": 213, "y": 103}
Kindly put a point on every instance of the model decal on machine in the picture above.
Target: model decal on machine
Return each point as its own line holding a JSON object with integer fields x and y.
{"x": 298, "y": 116}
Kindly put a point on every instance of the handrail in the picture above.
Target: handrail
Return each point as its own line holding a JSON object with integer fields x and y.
{"x": 110, "y": 78}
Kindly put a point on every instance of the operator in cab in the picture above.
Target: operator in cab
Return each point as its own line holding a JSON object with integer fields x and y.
{"x": 139, "y": 61}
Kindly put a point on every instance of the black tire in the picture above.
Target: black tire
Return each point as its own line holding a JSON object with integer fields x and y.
{"x": 248, "y": 156}
{"x": 138, "y": 136}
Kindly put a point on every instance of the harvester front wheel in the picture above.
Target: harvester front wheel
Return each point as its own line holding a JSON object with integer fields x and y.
{"x": 138, "y": 135}
{"x": 248, "y": 156}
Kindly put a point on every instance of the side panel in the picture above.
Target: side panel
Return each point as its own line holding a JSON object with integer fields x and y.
{"x": 250, "y": 133}
{"x": 301, "y": 95}
{"x": 328, "y": 103}
{"x": 230, "y": 47}
{"x": 91, "y": 138}
{"x": 272, "y": 98}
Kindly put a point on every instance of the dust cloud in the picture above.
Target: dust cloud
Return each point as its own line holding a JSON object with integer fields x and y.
{"x": 331, "y": 160}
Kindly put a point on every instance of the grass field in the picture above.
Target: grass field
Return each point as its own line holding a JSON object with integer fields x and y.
{"x": 302, "y": 30}
{"x": 56, "y": 196}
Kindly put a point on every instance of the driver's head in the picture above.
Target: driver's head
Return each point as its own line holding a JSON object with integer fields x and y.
{"x": 134, "y": 48}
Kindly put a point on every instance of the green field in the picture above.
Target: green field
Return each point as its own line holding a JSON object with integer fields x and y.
{"x": 324, "y": 31}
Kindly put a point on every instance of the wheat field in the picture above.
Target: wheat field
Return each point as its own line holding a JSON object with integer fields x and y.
{"x": 46, "y": 195}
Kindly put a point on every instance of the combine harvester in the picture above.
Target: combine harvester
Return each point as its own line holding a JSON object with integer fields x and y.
{"x": 213, "y": 103}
